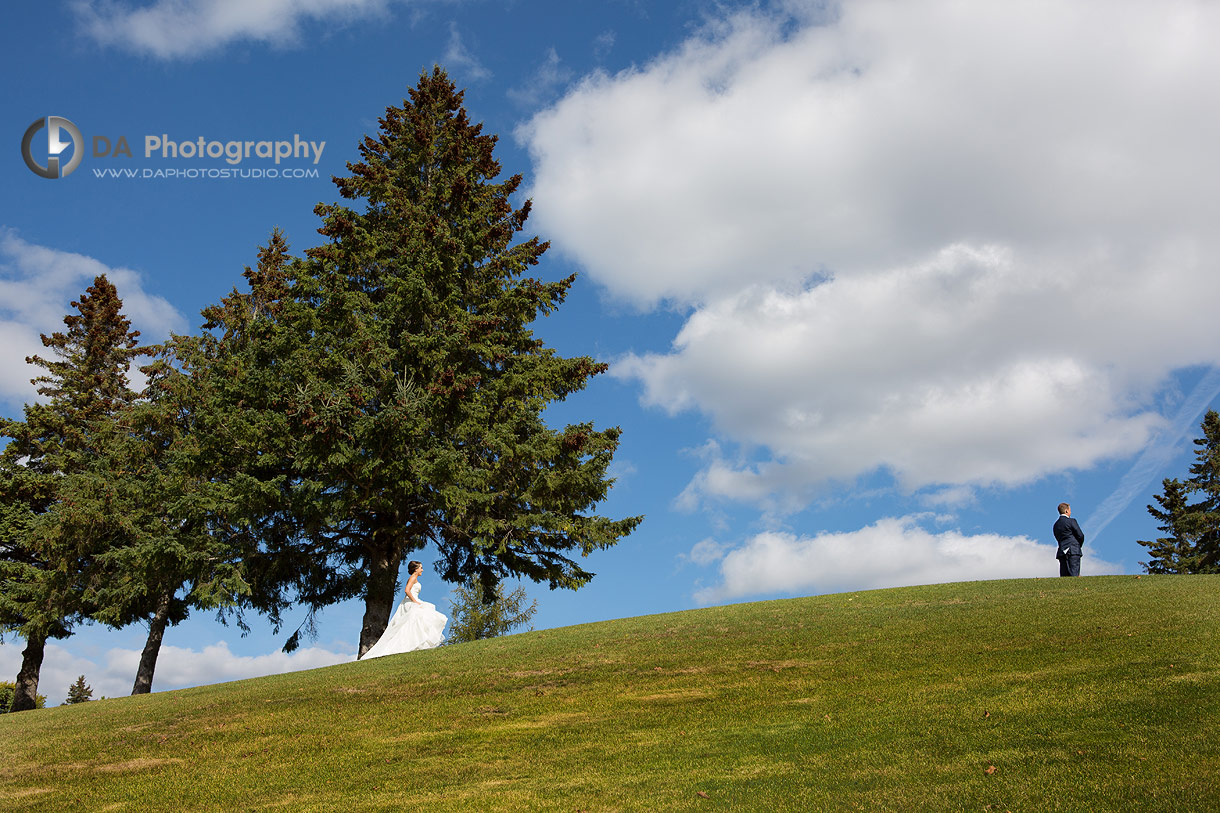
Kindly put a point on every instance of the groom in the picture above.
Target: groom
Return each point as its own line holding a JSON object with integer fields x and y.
{"x": 1069, "y": 538}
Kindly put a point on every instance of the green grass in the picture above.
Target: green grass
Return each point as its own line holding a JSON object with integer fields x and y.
{"x": 1082, "y": 694}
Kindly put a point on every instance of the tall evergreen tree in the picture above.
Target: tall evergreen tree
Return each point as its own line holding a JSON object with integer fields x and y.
{"x": 144, "y": 509}
{"x": 1193, "y": 545}
{"x": 411, "y": 385}
{"x": 169, "y": 523}
{"x": 245, "y": 373}
{"x": 1205, "y": 485}
{"x": 41, "y": 594}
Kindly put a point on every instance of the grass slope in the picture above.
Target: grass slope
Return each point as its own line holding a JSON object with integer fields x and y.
{"x": 1056, "y": 694}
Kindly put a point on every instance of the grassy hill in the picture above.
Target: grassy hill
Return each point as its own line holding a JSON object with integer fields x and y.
{"x": 1024, "y": 695}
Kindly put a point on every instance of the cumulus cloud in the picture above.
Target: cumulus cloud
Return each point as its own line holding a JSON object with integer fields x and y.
{"x": 892, "y": 552}
{"x": 970, "y": 367}
{"x": 37, "y": 285}
{"x": 707, "y": 551}
{"x": 962, "y": 243}
{"x": 112, "y": 673}
{"x": 173, "y": 29}
{"x": 764, "y": 153}
{"x": 178, "y": 667}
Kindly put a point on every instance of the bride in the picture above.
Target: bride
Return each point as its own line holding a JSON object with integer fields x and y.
{"x": 415, "y": 625}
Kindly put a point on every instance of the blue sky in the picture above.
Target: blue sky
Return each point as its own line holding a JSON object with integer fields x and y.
{"x": 880, "y": 282}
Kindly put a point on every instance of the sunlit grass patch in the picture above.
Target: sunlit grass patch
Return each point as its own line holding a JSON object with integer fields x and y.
{"x": 1085, "y": 694}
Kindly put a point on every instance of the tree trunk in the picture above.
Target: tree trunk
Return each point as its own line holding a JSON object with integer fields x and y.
{"x": 152, "y": 647}
{"x": 25, "y": 694}
{"x": 379, "y": 597}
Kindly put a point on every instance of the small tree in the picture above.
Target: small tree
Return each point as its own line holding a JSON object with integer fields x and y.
{"x": 477, "y": 613}
{"x": 1193, "y": 543}
{"x": 79, "y": 692}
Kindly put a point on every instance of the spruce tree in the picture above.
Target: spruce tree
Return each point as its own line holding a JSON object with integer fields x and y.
{"x": 85, "y": 383}
{"x": 169, "y": 524}
{"x": 1193, "y": 545}
{"x": 246, "y": 373}
{"x": 79, "y": 692}
{"x": 1205, "y": 485}
{"x": 411, "y": 386}
{"x": 1173, "y": 553}
{"x": 145, "y": 509}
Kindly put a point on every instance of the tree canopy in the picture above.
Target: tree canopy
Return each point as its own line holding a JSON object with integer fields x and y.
{"x": 153, "y": 514}
{"x": 398, "y": 389}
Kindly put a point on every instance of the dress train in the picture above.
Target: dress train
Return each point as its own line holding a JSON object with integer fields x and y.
{"x": 413, "y": 626}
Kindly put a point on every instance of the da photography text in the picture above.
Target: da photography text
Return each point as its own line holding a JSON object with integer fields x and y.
{"x": 53, "y": 147}
{"x": 233, "y": 152}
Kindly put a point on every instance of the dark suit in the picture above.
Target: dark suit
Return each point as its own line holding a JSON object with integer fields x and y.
{"x": 1070, "y": 540}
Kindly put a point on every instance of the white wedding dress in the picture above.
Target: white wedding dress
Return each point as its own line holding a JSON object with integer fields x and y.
{"x": 413, "y": 626}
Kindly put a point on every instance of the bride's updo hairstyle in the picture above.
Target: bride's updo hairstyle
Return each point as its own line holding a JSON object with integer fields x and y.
{"x": 414, "y": 567}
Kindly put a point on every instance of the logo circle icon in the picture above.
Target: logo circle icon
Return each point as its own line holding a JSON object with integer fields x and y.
{"x": 55, "y": 126}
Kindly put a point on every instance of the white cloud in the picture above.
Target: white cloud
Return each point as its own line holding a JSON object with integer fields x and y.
{"x": 38, "y": 285}
{"x": 178, "y": 667}
{"x": 621, "y": 471}
{"x": 898, "y": 129}
{"x": 968, "y": 368}
{"x": 892, "y": 552}
{"x": 950, "y": 497}
{"x": 707, "y": 551}
{"x": 962, "y": 243}
{"x": 112, "y": 673}
{"x": 459, "y": 58}
{"x": 173, "y": 29}
{"x": 19, "y": 342}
